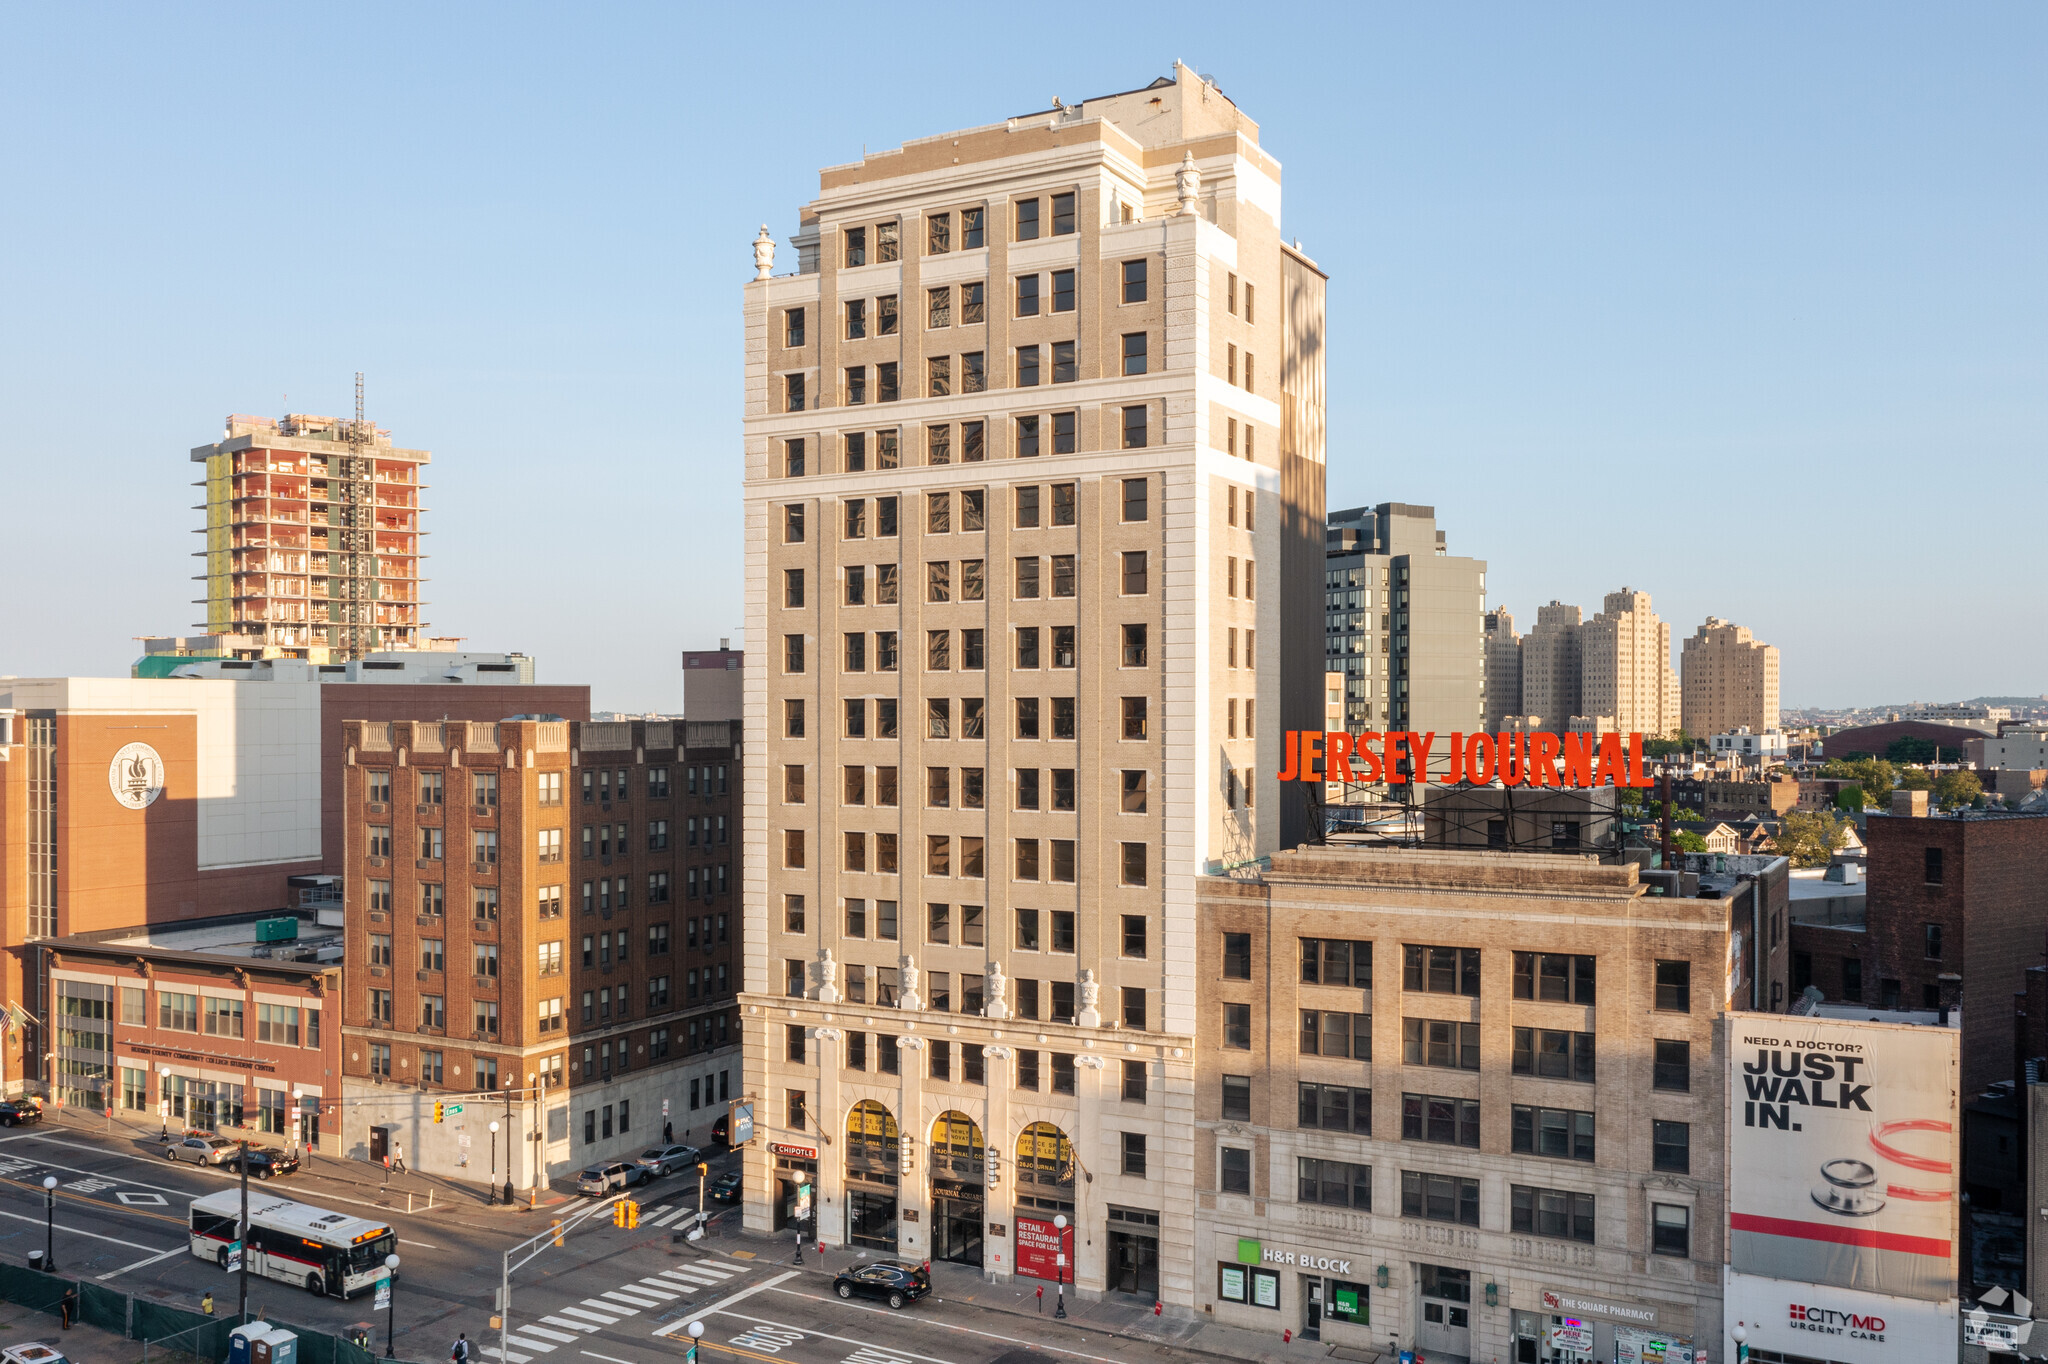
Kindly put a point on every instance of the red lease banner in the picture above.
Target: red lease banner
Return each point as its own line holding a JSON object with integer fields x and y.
{"x": 1534, "y": 758}
{"x": 1039, "y": 1248}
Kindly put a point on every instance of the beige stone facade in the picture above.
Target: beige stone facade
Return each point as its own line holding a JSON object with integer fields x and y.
{"x": 1730, "y": 681}
{"x": 1625, "y": 666}
{"x": 1550, "y": 666}
{"x": 1034, "y": 448}
{"x": 1502, "y": 1001}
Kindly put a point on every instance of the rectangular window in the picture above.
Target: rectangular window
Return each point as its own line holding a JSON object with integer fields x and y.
{"x": 856, "y": 318}
{"x": 1432, "y": 1042}
{"x": 1134, "y": 281}
{"x": 1134, "y": 1153}
{"x": 1435, "y": 1118}
{"x": 973, "y": 377}
{"x": 1237, "y": 956}
{"x": 1439, "y": 1198}
{"x": 971, "y": 231}
{"x": 1671, "y": 1147}
{"x": 1336, "y": 961}
{"x": 939, "y": 234}
{"x": 793, "y": 458}
{"x": 1063, "y": 427}
{"x": 939, "y": 371}
{"x": 1554, "y": 976}
{"x": 1064, "y": 368}
{"x": 793, "y": 392}
{"x": 1674, "y": 986}
{"x": 1559, "y": 1133}
{"x": 1134, "y": 353}
{"x": 856, "y": 246}
{"x": 1440, "y": 970}
{"x": 888, "y": 241}
{"x": 1027, "y": 299}
{"x": 1331, "y": 1032}
{"x": 1134, "y": 723}
{"x": 1063, "y": 214}
{"x": 1335, "y": 1108}
{"x": 888, "y": 386}
{"x": 1063, "y": 575}
{"x": 1930, "y": 866}
{"x": 1670, "y": 1229}
{"x": 1551, "y": 1054}
{"x": 1027, "y": 220}
{"x": 1673, "y": 1065}
{"x": 793, "y": 324}
{"x": 1136, "y": 432}
{"x": 1334, "y": 1183}
{"x": 1555, "y": 1213}
{"x": 1237, "y": 1098}
{"x": 939, "y": 307}
{"x": 1134, "y": 652}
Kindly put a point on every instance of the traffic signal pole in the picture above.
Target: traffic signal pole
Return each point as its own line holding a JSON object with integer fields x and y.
{"x": 533, "y": 1246}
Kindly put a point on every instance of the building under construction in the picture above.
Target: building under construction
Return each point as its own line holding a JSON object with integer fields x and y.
{"x": 312, "y": 538}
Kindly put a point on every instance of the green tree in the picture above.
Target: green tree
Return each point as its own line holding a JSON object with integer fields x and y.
{"x": 1958, "y": 788}
{"x": 1915, "y": 779}
{"x": 1678, "y": 742}
{"x": 1809, "y": 839}
{"x": 1912, "y": 751}
{"x": 1849, "y": 799}
{"x": 1877, "y": 778}
{"x": 1685, "y": 840}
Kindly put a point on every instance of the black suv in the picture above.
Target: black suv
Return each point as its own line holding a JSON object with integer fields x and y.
{"x": 18, "y": 1111}
{"x": 897, "y": 1281}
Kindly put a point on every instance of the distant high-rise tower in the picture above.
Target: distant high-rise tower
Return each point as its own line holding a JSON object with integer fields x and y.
{"x": 1550, "y": 666}
{"x": 1625, "y": 666}
{"x": 312, "y": 537}
{"x": 1503, "y": 669}
{"x": 1402, "y": 621}
{"x": 1730, "y": 681}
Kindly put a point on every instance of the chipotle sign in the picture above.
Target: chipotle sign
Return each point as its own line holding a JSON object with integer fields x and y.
{"x": 1040, "y": 1247}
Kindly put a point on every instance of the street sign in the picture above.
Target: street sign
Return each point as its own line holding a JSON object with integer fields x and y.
{"x": 451, "y": 1108}
{"x": 234, "y": 1257}
{"x": 664, "y": 1108}
{"x": 741, "y": 1127}
{"x": 383, "y": 1293}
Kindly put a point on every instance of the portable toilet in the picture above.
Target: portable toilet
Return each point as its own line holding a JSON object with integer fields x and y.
{"x": 242, "y": 1341}
{"x": 275, "y": 1346}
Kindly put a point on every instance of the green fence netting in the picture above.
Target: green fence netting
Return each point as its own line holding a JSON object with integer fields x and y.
{"x": 208, "y": 1338}
{"x": 33, "y": 1288}
{"x": 103, "y": 1307}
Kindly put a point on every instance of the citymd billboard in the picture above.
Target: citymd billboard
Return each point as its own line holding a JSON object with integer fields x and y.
{"x": 1808, "y": 1321}
{"x": 1842, "y": 1154}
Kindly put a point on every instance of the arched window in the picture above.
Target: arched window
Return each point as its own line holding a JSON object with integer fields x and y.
{"x": 956, "y": 1144}
{"x": 871, "y": 1133}
{"x": 1045, "y": 1157}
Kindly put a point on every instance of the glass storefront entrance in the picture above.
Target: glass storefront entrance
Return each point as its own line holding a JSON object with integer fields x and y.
{"x": 958, "y": 1173}
{"x": 873, "y": 1148}
{"x": 1446, "y": 1321}
{"x": 1134, "y": 1253}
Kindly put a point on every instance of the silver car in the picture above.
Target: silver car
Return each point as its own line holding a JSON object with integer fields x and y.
{"x": 201, "y": 1149}
{"x": 615, "y": 1174}
{"x": 666, "y": 1160}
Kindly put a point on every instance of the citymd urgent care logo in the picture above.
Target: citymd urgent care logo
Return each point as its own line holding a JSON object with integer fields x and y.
{"x": 1827, "y": 1321}
{"x": 1518, "y": 758}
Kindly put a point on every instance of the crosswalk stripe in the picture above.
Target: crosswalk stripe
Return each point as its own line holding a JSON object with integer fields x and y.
{"x": 701, "y": 1269}
{"x": 537, "y": 1346}
{"x": 545, "y": 1334}
{"x": 639, "y": 1298}
{"x": 690, "y": 1277}
{"x": 664, "y": 1218}
{"x": 509, "y": 1356}
{"x": 612, "y": 1307}
{"x": 653, "y": 1286}
{"x": 601, "y": 1318}
{"x": 569, "y": 1322}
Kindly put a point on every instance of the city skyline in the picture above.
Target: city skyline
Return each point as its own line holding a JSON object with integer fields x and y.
{"x": 1687, "y": 276}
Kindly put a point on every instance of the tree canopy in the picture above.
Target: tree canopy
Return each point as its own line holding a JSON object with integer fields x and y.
{"x": 1810, "y": 839}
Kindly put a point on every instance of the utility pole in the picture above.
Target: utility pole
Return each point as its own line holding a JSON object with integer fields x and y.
{"x": 243, "y": 1306}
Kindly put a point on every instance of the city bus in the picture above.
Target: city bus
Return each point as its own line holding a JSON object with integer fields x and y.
{"x": 329, "y": 1253}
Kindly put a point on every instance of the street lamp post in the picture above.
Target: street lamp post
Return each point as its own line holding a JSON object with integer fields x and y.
{"x": 508, "y": 1143}
{"x": 1741, "y": 1350}
{"x": 163, "y": 1100}
{"x": 696, "y": 1329}
{"x": 493, "y": 1185}
{"x": 391, "y": 1312}
{"x": 1059, "y": 1229}
{"x": 49, "y": 1224}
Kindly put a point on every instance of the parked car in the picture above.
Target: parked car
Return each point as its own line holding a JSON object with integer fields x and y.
{"x": 726, "y": 1188}
{"x": 31, "y": 1353}
{"x": 896, "y": 1281}
{"x": 617, "y": 1174}
{"x": 265, "y": 1162}
{"x": 720, "y": 1134}
{"x": 201, "y": 1148}
{"x": 14, "y": 1113}
{"x": 666, "y": 1160}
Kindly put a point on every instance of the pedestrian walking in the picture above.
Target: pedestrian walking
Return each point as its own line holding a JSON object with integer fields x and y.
{"x": 398, "y": 1157}
{"x": 67, "y": 1307}
{"x": 668, "y": 1133}
{"x": 206, "y": 1303}
{"x": 459, "y": 1351}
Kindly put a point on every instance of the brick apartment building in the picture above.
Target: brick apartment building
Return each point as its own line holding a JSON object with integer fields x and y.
{"x": 544, "y": 913}
{"x": 203, "y": 1023}
{"x": 1720, "y": 797}
{"x": 156, "y": 800}
{"x": 1956, "y": 911}
{"x": 1438, "y": 1092}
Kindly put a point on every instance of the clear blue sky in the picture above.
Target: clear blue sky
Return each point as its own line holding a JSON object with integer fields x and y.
{"x": 1746, "y": 306}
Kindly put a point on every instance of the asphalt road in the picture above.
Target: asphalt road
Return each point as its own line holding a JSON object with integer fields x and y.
{"x": 607, "y": 1294}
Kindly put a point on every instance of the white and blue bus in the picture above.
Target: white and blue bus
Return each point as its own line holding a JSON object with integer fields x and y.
{"x": 329, "y": 1253}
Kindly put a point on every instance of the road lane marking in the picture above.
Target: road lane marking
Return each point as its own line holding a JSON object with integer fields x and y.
{"x": 74, "y": 1231}
{"x": 174, "y": 1250}
{"x": 539, "y": 1347}
{"x": 612, "y": 1307}
{"x": 644, "y": 1300}
{"x": 583, "y": 1326}
{"x": 509, "y": 1356}
{"x": 609, "y": 1359}
{"x": 602, "y": 1318}
{"x": 665, "y": 1292}
{"x": 545, "y": 1334}
{"x": 947, "y": 1325}
{"x": 421, "y": 1244}
{"x": 690, "y": 1275}
{"x": 144, "y": 1200}
{"x": 686, "y": 1318}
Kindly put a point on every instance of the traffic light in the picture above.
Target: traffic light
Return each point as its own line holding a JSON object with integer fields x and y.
{"x": 437, "y": 1110}
{"x": 632, "y": 1213}
{"x": 619, "y": 1213}
{"x": 558, "y": 1231}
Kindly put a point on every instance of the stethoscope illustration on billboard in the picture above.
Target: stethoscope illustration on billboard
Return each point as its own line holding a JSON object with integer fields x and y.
{"x": 1850, "y": 1186}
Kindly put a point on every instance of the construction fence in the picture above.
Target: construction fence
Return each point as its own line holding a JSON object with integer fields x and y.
{"x": 178, "y": 1333}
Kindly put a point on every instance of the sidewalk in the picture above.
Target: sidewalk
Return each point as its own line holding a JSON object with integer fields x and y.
{"x": 453, "y": 1194}
{"x": 1116, "y": 1316}
{"x": 21, "y": 1325}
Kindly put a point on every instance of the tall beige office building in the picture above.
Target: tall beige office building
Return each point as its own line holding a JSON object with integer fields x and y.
{"x": 1034, "y": 522}
{"x": 1503, "y": 688}
{"x": 1730, "y": 681}
{"x": 1550, "y": 666}
{"x": 1625, "y": 666}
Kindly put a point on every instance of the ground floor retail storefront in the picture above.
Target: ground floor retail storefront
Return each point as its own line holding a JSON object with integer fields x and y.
{"x": 1364, "y": 1295}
